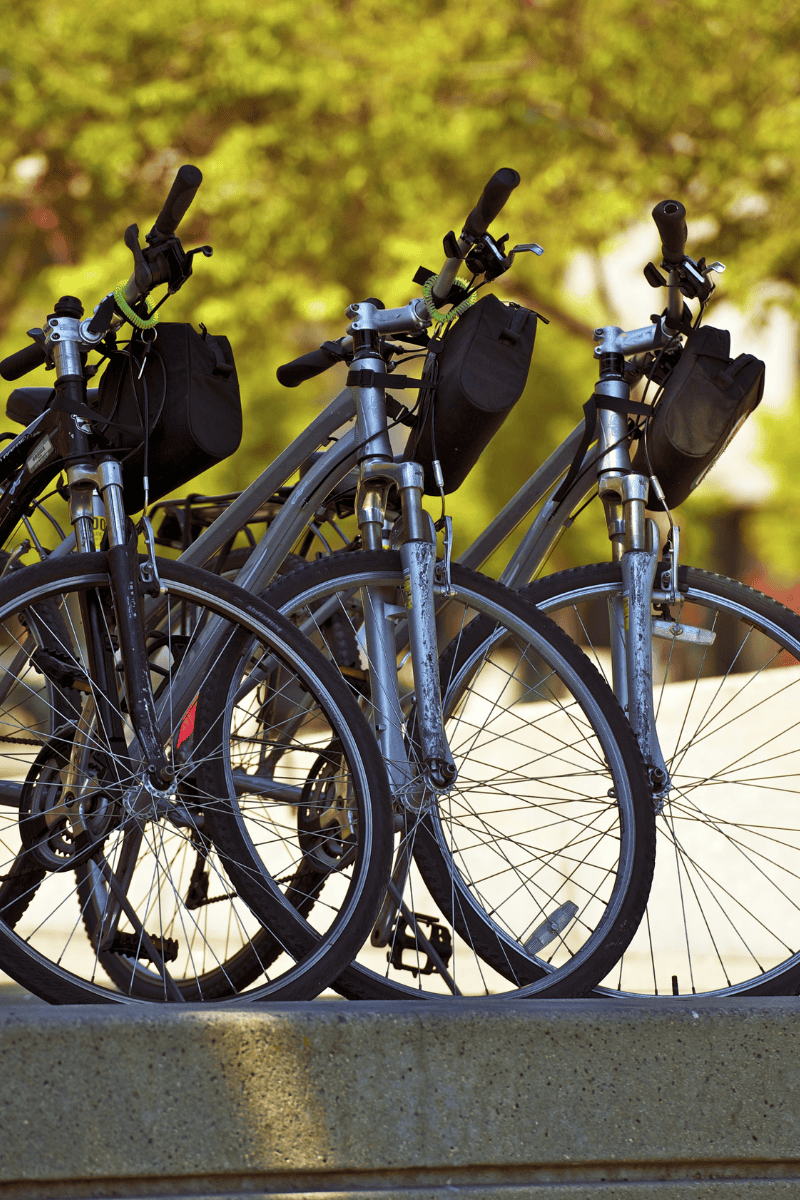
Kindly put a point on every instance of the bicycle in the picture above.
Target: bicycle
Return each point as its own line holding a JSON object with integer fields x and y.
{"x": 725, "y": 864}
{"x": 110, "y": 718}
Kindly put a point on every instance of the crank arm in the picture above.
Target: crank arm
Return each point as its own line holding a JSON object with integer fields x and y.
{"x": 131, "y": 844}
{"x": 391, "y": 901}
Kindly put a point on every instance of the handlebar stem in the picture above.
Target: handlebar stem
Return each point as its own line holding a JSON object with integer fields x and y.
{"x": 614, "y": 340}
{"x": 409, "y": 319}
{"x": 64, "y": 342}
{"x": 65, "y": 339}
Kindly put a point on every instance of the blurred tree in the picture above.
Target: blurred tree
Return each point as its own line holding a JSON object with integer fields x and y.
{"x": 341, "y": 139}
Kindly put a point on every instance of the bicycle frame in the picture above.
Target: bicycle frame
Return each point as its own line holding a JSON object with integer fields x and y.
{"x": 367, "y": 446}
{"x": 619, "y": 488}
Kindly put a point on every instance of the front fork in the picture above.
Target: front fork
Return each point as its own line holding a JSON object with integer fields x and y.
{"x": 635, "y": 542}
{"x": 417, "y": 607}
{"x": 144, "y": 758}
{"x": 126, "y": 592}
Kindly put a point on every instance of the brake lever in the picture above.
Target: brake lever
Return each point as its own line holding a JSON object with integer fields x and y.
{"x": 163, "y": 262}
{"x": 533, "y": 247}
{"x": 171, "y": 264}
{"x": 488, "y": 257}
{"x": 693, "y": 277}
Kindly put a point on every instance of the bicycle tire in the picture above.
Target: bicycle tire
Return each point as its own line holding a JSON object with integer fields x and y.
{"x": 721, "y": 919}
{"x": 215, "y": 960}
{"x": 596, "y": 748}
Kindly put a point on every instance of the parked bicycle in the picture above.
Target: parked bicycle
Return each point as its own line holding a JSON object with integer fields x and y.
{"x": 544, "y": 791}
{"x": 123, "y": 855}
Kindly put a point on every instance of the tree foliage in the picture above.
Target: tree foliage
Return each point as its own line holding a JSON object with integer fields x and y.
{"x": 341, "y": 139}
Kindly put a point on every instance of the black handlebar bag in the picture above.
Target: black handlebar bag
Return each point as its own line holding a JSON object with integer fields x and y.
{"x": 478, "y": 374}
{"x": 705, "y": 400}
{"x": 189, "y": 388}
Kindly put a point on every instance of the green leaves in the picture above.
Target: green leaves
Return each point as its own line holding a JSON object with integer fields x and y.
{"x": 341, "y": 140}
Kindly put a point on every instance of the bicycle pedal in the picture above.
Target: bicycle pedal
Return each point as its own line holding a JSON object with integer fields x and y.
{"x": 132, "y": 946}
{"x": 60, "y": 669}
{"x": 404, "y": 938}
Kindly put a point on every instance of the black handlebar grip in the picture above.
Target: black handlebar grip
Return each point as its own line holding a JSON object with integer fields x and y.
{"x": 19, "y": 364}
{"x": 181, "y": 195}
{"x": 492, "y": 201}
{"x": 670, "y": 219}
{"x": 306, "y": 366}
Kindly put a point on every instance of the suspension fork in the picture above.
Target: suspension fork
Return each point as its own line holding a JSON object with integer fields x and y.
{"x": 418, "y": 558}
{"x": 126, "y": 597}
{"x": 65, "y": 339}
{"x": 634, "y": 540}
{"x": 638, "y": 576}
{"x": 86, "y": 479}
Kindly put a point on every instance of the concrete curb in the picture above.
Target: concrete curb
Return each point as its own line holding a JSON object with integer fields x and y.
{"x": 477, "y": 1099}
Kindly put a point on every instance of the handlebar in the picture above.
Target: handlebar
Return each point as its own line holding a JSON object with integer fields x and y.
{"x": 492, "y": 201}
{"x": 181, "y": 195}
{"x": 490, "y": 205}
{"x": 308, "y": 365}
{"x": 23, "y": 361}
{"x": 670, "y": 219}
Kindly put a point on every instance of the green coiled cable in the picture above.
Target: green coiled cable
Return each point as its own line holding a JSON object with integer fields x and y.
{"x": 440, "y": 318}
{"x": 127, "y": 311}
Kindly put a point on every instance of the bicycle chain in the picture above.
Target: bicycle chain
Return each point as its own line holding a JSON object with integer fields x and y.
{"x": 21, "y": 874}
{"x": 216, "y": 899}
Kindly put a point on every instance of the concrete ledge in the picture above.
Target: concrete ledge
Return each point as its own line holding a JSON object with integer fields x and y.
{"x": 569, "y": 1099}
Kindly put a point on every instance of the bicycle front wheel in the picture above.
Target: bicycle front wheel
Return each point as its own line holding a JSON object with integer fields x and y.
{"x": 112, "y": 889}
{"x": 529, "y": 875}
{"x": 724, "y": 913}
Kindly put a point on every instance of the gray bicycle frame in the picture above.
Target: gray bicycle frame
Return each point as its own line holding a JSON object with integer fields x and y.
{"x": 632, "y": 681}
{"x": 366, "y": 447}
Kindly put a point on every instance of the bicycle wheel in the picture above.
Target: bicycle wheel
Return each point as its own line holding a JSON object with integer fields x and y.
{"x": 102, "y": 874}
{"x": 724, "y": 915}
{"x": 528, "y": 876}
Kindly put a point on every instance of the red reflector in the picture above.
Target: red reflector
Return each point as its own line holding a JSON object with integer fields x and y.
{"x": 187, "y": 725}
